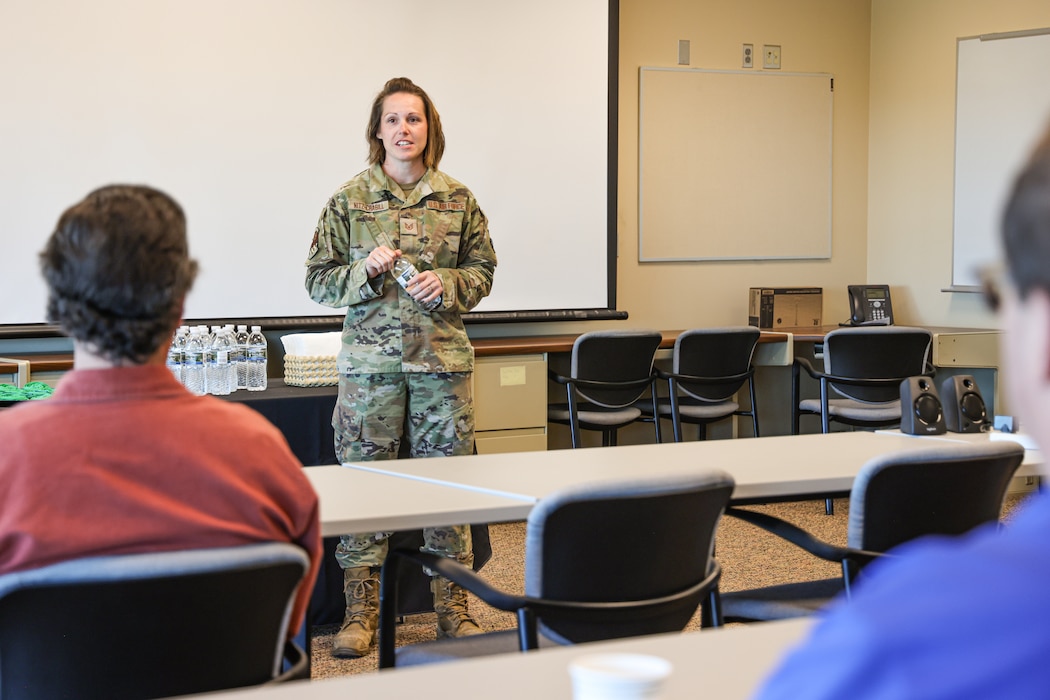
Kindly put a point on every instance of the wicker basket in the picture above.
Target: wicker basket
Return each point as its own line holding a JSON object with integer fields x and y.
{"x": 310, "y": 359}
{"x": 310, "y": 370}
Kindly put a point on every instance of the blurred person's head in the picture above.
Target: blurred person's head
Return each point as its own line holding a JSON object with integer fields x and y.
{"x": 1026, "y": 224}
{"x": 118, "y": 270}
{"x": 1024, "y": 293}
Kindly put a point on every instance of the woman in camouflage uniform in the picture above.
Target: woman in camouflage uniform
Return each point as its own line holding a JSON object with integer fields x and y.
{"x": 405, "y": 371}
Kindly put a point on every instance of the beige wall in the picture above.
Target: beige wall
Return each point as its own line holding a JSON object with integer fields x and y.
{"x": 816, "y": 36}
{"x": 911, "y": 147}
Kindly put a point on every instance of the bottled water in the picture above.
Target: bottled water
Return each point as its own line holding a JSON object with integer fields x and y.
{"x": 403, "y": 271}
{"x": 175, "y": 352}
{"x": 212, "y": 383}
{"x": 256, "y": 378}
{"x": 239, "y": 356}
{"x": 193, "y": 363}
{"x": 231, "y": 367}
{"x": 218, "y": 364}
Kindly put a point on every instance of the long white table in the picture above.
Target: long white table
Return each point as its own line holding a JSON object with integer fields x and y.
{"x": 724, "y": 663}
{"x": 769, "y": 468}
{"x": 354, "y": 500}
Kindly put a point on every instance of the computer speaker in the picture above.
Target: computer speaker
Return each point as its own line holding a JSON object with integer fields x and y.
{"x": 964, "y": 410}
{"x": 921, "y": 409}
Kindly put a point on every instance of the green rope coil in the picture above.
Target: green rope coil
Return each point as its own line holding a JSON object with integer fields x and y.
{"x": 30, "y": 392}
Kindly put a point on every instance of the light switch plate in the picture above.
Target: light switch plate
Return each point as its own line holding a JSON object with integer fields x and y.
{"x": 683, "y": 52}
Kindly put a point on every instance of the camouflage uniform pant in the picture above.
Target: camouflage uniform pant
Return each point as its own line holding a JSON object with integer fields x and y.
{"x": 434, "y": 413}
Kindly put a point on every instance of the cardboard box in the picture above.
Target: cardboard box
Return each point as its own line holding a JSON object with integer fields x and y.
{"x": 772, "y": 308}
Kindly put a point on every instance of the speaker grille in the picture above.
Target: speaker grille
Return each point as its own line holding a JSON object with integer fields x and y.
{"x": 928, "y": 409}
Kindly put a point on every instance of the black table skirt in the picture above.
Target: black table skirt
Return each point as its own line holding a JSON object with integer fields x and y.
{"x": 303, "y": 414}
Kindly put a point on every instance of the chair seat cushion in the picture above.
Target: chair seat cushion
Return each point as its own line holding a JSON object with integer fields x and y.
{"x": 698, "y": 410}
{"x": 855, "y": 410}
{"x": 589, "y": 416}
{"x": 442, "y": 650}
{"x": 780, "y": 602}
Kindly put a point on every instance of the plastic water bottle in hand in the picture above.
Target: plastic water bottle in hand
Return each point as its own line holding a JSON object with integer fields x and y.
{"x": 403, "y": 271}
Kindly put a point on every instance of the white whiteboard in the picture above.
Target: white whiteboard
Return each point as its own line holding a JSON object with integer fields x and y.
{"x": 734, "y": 165}
{"x": 1002, "y": 107}
{"x": 252, "y": 112}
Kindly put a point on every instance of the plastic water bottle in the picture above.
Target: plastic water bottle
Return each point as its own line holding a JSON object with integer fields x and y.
{"x": 193, "y": 363}
{"x": 175, "y": 353}
{"x": 403, "y": 271}
{"x": 231, "y": 367}
{"x": 239, "y": 356}
{"x": 211, "y": 378}
{"x": 256, "y": 360}
{"x": 219, "y": 363}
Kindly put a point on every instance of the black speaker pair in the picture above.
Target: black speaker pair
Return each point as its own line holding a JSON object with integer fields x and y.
{"x": 958, "y": 407}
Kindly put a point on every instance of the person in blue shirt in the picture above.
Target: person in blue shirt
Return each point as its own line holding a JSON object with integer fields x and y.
{"x": 965, "y": 617}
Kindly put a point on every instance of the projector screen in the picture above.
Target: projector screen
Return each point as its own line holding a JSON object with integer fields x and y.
{"x": 252, "y": 113}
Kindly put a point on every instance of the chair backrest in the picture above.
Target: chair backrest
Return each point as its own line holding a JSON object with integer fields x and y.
{"x": 148, "y": 625}
{"x": 879, "y": 352}
{"x": 944, "y": 491}
{"x": 614, "y": 357}
{"x": 624, "y": 541}
{"x": 714, "y": 352}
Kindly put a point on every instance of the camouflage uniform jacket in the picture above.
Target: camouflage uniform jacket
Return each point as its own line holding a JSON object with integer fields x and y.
{"x": 439, "y": 227}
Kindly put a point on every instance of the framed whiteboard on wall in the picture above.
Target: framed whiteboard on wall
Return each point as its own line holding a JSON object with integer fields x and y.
{"x": 1002, "y": 105}
{"x": 734, "y": 165}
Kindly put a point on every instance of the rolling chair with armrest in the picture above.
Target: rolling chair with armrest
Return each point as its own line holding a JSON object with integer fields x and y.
{"x": 708, "y": 368}
{"x": 898, "y": 497}
{"x": 579, "y": 586}
{"x": 609, "y": 371}
{"x": 151, "y": 625}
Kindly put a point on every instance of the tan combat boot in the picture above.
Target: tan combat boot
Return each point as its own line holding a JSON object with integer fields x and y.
{"x": 450, "y": 604}
{"x": 361, "y": 589}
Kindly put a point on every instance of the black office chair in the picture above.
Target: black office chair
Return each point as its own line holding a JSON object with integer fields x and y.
{"x": 602, "y": 561}
{"x": 609, "y": 371}
{"x": 864, "y": 367}
{"x": 946, "y": 490}
{"x": 708, "y": 368}
{"x": 151, "y": 625}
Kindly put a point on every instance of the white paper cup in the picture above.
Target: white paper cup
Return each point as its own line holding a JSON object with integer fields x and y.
{"x": 618, "y": 677}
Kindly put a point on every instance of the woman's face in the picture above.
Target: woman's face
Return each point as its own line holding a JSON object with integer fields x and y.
{"x": 403, "y": 128}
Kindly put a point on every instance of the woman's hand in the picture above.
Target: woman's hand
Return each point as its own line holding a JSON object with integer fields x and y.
{"x": 424, "y": 287}
{"x": 381, "y": 260}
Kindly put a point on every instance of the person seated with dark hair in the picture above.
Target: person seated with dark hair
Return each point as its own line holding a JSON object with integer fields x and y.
{"x": 122, "y": 459}
{"x": 965, "y": 617}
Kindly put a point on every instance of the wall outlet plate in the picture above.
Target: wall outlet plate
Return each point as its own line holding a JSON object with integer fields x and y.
{"x": 748, "y": 58}
{"x": 771, "y": 56}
